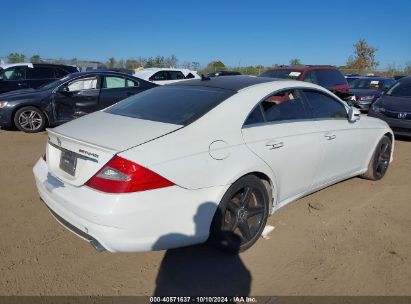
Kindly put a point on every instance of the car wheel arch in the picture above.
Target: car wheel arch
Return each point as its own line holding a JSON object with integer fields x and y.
{"x": 377, "y": 140}
{"x": 29, "y": 105}
{"x": 268, "y": 182}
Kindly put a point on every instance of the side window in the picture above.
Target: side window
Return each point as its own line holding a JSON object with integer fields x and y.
{"x": 89, "y": 83}
{"x": 40, "y": 73}
{"x": 159, "y": 76}
{"x": 324, "y": 106}
{"x": 132, "y": 83}
{"x": 256, "y": 116}
{"x": 112, "y": 82}
{"x": 387, "y": 84}
{"x": 189, "y": 76}
{"x": 311, "y": 77}
{"x": 286, "y": 105}
{"x": 329, "y": 78}
{"x": 14, "y": 73}
{"x": 174, "y": 75}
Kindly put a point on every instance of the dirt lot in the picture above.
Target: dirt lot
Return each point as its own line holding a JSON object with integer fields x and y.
{"x": 358, "y": 242}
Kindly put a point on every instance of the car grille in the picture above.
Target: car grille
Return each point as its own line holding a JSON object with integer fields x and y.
{"x": 397, "y": 115}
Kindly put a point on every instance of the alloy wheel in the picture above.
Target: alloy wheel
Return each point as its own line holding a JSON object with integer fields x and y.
{"x": 244, "y": 214}
{"x": 30, "y": 120}
{"x": 383, "y": 158}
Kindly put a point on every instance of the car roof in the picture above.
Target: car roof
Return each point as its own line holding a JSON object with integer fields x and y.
{"x": 302, "y": 67}
{"x": 100, "y": 72}
{"x": 9, "y": 65}
{"x": 233, "y": 83}
{"x": 32, "y": 65}
{"x": 375, "y": 78}
{"x": 148, "y": 72}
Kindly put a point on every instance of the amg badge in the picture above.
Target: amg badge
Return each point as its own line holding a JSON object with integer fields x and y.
{"x": 88, "y": 153}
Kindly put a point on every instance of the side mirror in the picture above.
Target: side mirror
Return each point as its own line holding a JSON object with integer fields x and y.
{"x": 354, "y": 114}
{"x": 63, "y": 89}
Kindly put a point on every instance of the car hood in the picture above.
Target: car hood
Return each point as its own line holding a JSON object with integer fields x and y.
{"x": 23, "y": 94}
{"x": 364, "y": 92}
{"x": 398, "y": 104}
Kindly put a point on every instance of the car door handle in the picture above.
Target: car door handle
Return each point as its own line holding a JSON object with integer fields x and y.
{"x": 275, "y": 145}
{"x": 330, "y": 136}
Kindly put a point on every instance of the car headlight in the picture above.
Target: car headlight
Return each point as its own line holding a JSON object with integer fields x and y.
{"x": 3, "y": 104}
{"x": 376, "y": 107}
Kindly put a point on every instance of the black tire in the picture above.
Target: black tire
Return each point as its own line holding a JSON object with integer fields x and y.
{"x": 380, "y": 160}
{"x": 241, "y": 215}
{"x": 29, "y": 119}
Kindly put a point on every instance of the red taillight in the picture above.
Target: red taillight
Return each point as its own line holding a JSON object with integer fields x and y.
{"x": 120, "y": 175}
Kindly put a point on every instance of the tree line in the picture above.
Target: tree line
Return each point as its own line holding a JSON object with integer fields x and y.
{"x": 362, "y": 61}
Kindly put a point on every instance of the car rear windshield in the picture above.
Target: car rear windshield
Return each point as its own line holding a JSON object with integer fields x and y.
{"x": 400, "y": 89}
{"x": 283, "y": 73}
{"x": 178, "y": 105}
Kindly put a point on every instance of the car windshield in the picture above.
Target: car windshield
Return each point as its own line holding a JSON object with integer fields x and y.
{"x": 400, "y": 89}
{"x": 53, "y": 84}
{"x": 178, "y": 105}
{"x": 282, "y": 73}
{"x": 375, "y": 84}
{"x": 50, "y": 85}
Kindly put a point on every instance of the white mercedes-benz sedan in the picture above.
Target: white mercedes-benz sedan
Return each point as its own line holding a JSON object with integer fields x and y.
{"x": 201, "y": 160}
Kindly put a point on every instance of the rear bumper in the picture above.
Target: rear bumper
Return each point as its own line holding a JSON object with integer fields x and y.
{"x": 398, "y": 126}
{"x": 149, "y": 220}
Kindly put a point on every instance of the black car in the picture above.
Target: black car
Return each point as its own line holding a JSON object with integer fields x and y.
{"x": 31, "y": 75}
{"x": 394, "y": 107}
{"x": 77, "y": 94}
{"x": 223, "y": 73}
{"x": 366, "y": 90}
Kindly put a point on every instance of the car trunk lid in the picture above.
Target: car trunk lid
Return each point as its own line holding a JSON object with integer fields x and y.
{"x": 79, "y": 149}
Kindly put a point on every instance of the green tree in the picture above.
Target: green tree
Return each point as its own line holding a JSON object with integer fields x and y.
{"x": 132, "y": 64}
{"x": 35, "y": 59}
{"x": 171, "y": 61}
{"x": 363, "y": 58}
{"x": 295, "y": 62}
{"x": 15, "y": 58}
{"x": 111, "y": 63}
{"x": 216, "y": 65}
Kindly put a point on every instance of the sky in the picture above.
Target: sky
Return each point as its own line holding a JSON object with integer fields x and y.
{"x": 238, "y": 33}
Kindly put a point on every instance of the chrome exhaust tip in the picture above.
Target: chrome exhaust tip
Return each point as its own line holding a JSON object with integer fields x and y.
{"x": 97, "y": 246}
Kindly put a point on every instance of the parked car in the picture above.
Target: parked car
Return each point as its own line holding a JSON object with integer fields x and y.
{"x": 223, "y": 73}
{"x": 31, "y": 75}
{"x": 77, "y": 94}
{"x": 324, "y": 75}
{"x": 366, "y": 90}
{"x": 351, "y": 77}
{"x": 166, "y": 75}
{"x": 394, "y": 107}
{"x": 203, "y": 159}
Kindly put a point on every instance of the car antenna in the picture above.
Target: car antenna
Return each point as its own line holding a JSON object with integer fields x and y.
{"x": 204, "y": 78}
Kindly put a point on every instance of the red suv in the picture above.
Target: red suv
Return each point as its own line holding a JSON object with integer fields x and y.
{"x": 323, "y": 75}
